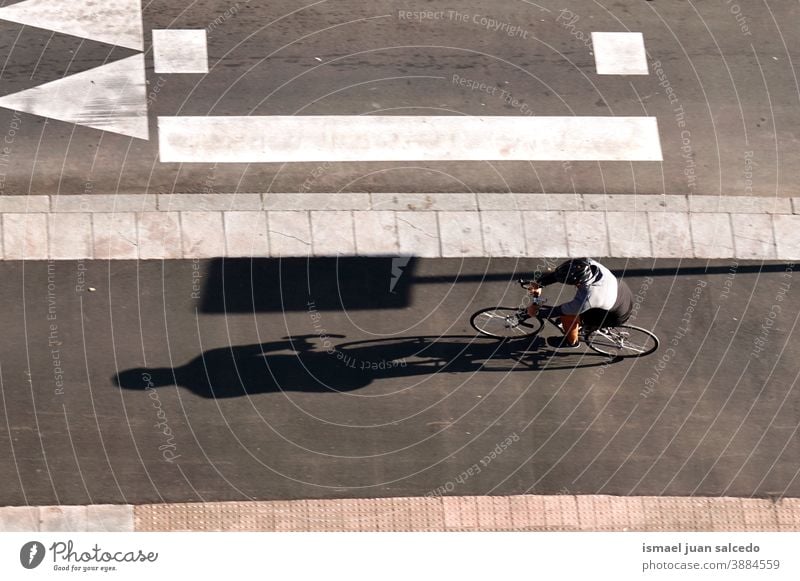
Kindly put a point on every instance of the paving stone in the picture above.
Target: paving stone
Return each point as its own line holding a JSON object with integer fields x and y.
{"x": 740, "y": 204}
{"x": 332, "y": 232}
{"x": 586, "y": 234}
{"x": 670, "y": 234}
{"x": 461, "y": 234}
{"x": 615, "y": 516}
{"x": 629, "y": 235}
{"x": 503, "y": 233}
{"x": 494, "y": 513}
{"x": 786, "y": 514}
{"x": 109, "y": 517}
{"x": 635, "y": 203}
{"x": 498, "y": 202}
{"x": 24, "y": 203}
{"x": 63, "y": 519}
{"x": 246, "y": 234}
{"x": 114, "y": 236}
{"x": 753, "y": 236}
{"x": 422, "y": 202}
{"x": 19, "y": 519}
{"x": 24, "y": 236}
{"x": 104, "y": 203}
{"x": 723, "y": 517}
{"x": 289, "y": 233}
{"x": 312, "y": 201}
{"x": 534, "y": 202}
{"x": 418, "y": 234}
{"x": 712, "y": 235}
{"x": 756, "y": 514}
{"x": 560, "y": 513}
{"x": 629, "y": 512}
{"x": 459, "y": 513}
{"x": 551, "y": 202}
{"x": 545, "y": 234}
{"x": 376, "y": 233}
{"x": 787, "y": 236}
{"x": 526, "y": 513}
{"x": 159, "y": 235}
{"x": 70, "y": 235}
{"x": 202, "y": 234}
{"x": 208, "y": 202}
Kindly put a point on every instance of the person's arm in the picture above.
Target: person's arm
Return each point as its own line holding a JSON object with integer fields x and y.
{"x": 546, "y": 278}
{"x": 577, "y": 305}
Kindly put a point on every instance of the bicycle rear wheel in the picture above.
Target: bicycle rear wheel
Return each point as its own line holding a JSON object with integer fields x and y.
{"x": 504, "y": 323}
{"x": 623, "y": 341}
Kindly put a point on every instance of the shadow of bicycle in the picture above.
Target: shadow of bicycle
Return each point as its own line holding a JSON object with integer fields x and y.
{"x": 307, "y": 364}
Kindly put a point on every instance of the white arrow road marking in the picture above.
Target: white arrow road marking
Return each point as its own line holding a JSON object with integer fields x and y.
{"x": 117, "y": 22}
{"x": 404, "y": 138}
{"x": 112, "y": 97}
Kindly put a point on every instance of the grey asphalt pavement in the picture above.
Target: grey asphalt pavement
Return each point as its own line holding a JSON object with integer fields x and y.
{"x": 722, "y": 84}
{"x": 135, "y": 382}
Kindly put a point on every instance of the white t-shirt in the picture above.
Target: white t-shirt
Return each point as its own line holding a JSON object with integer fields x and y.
{"x": 599, "y": 293}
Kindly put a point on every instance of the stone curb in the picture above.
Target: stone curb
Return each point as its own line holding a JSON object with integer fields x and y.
{"x": 166, "y": 234}
{"x": 451, "y": 513}
{"x": 92, "y": 518}
{"x": 404, "y": 202}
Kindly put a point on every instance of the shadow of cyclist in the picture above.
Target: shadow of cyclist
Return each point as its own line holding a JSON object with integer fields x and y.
{"x": 295, "y": 364}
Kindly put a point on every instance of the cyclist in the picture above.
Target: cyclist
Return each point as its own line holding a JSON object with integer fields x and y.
{"x": 601, "y": 300}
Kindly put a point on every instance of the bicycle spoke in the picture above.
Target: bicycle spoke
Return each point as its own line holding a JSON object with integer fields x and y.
{"x": 495, "y": 316}
{"x": 623, "y": 341}
{"x": 504, "y": 323}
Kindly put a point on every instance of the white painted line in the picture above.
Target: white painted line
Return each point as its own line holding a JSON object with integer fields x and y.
{"x": 180, "y": 51}
{"x": 118, "y": 22}
{"x": 112, "y": 98}
{"x": 406, "y": 138}
{"x": 619, "y": 53}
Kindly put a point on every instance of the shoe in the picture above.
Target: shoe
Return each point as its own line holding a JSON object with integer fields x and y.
{"x": 561, "y": 343}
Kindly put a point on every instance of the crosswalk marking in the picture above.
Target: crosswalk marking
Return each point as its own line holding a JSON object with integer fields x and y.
{"x": 111, "y": 97}
{"x": 406, "y": 138}
{"x": 180, "y": 51}
{"x": 619, "y": 53}
{"x": 117, "y": 22}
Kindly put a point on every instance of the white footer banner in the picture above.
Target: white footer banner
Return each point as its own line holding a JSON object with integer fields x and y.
{"x": 400, "y": 556}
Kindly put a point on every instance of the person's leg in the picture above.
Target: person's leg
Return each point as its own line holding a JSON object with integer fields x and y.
{"x": 572, "y": 325}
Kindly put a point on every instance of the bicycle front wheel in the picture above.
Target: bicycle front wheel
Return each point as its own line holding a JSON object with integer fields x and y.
{"x": 504, "y": 323}
{"x": 623, "y": 341}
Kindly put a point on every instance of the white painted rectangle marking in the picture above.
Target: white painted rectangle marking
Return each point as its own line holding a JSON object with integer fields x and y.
{"x": 180, "y": 51}
{"x": 619, "y": 53}
{"x": 267, "y": 139}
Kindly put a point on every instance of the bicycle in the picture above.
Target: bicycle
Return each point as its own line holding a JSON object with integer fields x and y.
{"x": 618, "y": 341}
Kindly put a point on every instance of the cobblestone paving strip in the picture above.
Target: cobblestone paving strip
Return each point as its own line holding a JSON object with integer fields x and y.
{"x": 448, "y": 513}
{"x": 428, "y": 225}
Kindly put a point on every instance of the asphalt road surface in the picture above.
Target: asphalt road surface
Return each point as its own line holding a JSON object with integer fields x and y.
{"x": 228, "y": 380}
{"x": 722, "y": 84}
